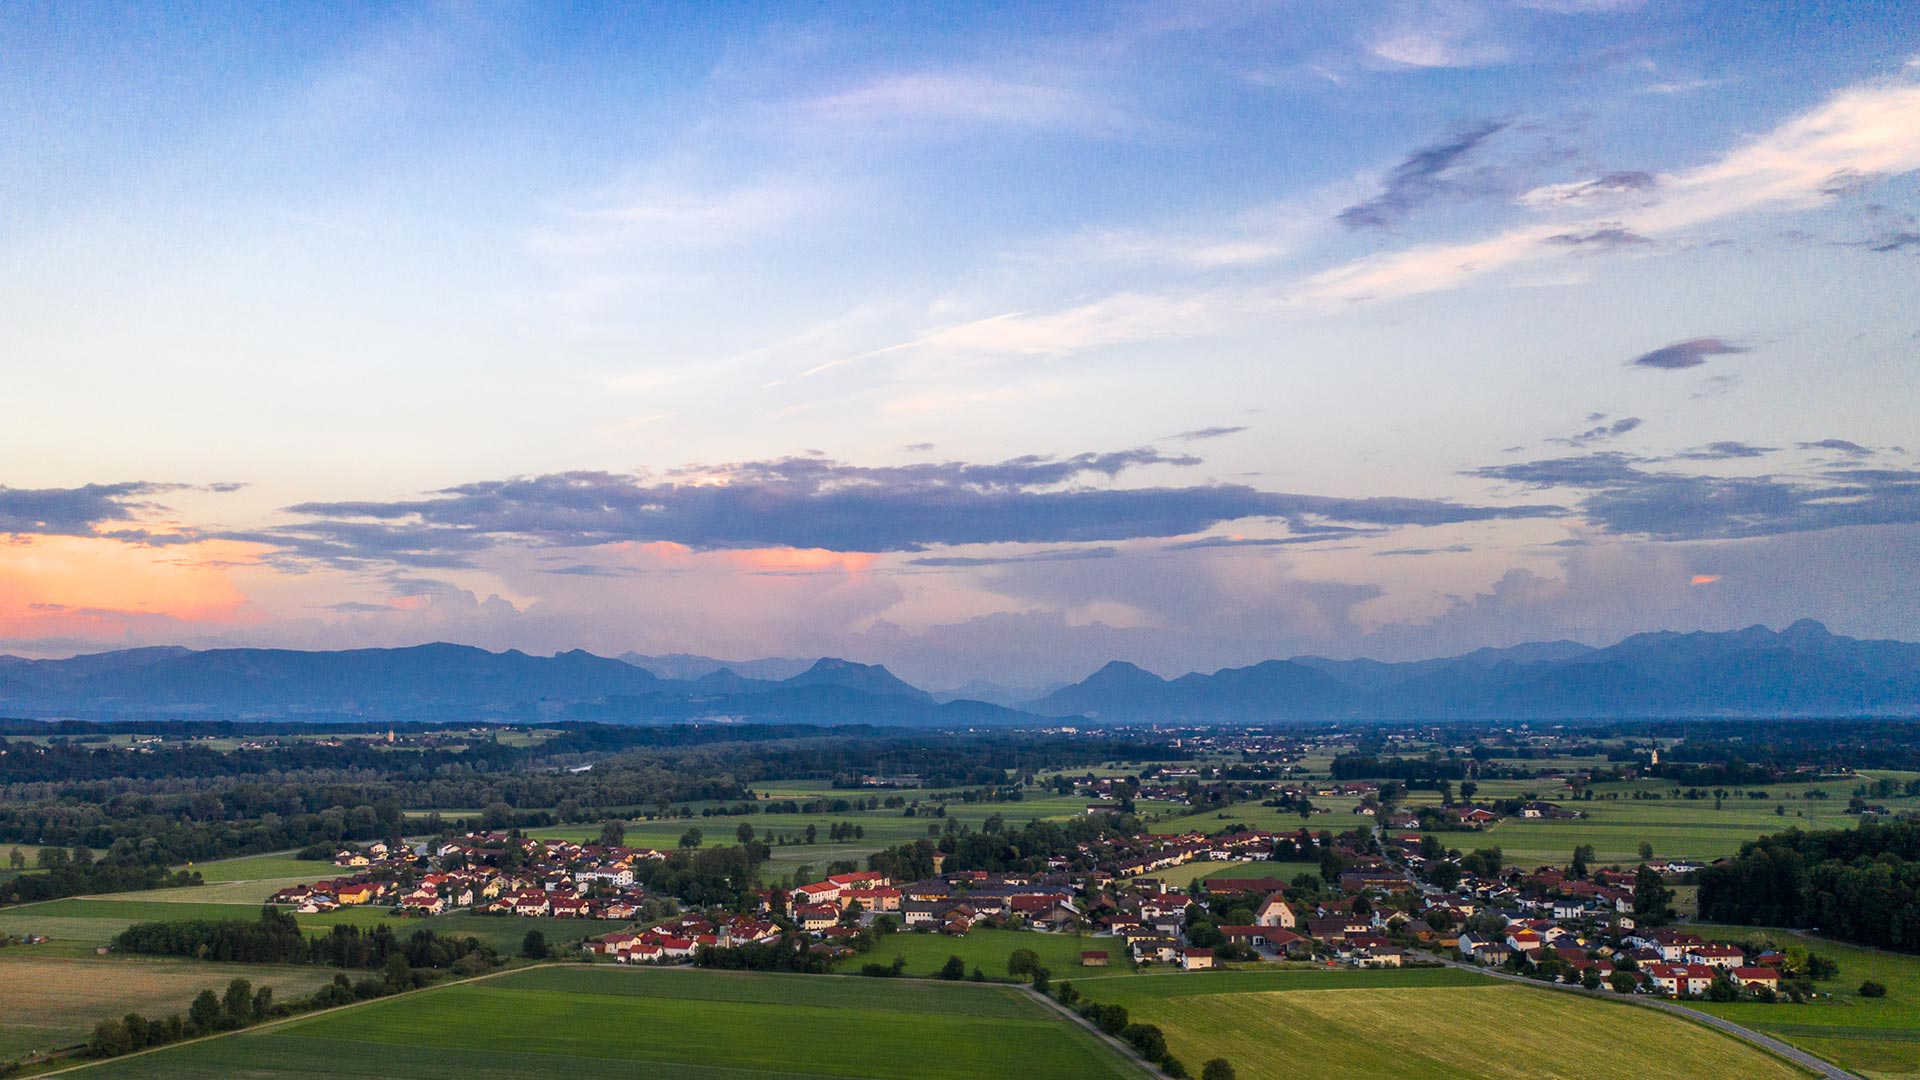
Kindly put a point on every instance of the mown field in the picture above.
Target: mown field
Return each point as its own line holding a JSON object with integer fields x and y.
{"x": 1876, "y": 1037}
{"x": 94, "y": 921}
{"x": 53, "y": 1002}
{"x": 988, "y": 950}
{"x": 1183, "y": 876}
{"x": 594, "y": 1022}
{"x": 1422, "y": 1025}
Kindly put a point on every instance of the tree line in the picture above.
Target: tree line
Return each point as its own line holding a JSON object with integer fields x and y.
{"x": 1860, "y": 885}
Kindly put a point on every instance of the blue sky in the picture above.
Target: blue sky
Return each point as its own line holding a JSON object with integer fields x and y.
{"x": 996, "y": 341}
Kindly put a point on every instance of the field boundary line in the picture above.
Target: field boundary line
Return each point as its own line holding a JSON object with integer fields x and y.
{"x": 1126, "y": 1052}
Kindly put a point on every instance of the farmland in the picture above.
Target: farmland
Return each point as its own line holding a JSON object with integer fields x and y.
{"x": 53, "y": 1002}
{"x": 1416, "y": 1025}
{"x": 94, "y": 921}
{"x": 988, "y": 951}
{"x": 605, "y": 1022}
{"x": 1877, "y": 1037}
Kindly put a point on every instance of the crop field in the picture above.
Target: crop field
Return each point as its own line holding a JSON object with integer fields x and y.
{"x": 988, "y": 950}
{"x": 1421, "y": 1025}
{"x": 94, "y": 921}
{"x": 1876, "y": 1037}
{"x": 594, "y": 1022}
{"x": 53, "y": 1003}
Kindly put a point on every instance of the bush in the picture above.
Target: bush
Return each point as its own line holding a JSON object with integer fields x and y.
{"x": 1872, "y": 989}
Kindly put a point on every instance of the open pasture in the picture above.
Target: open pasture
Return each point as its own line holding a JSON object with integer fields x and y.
{"x": 593, "y": 1022}
{"x": 988, "y": 950}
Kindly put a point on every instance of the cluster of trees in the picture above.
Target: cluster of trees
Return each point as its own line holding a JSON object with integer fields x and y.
{"x": 275, "y": 938}
{"x": 1146, "y": 1039}
{"x": 1367, "y": 767}
{"x": 1860, "y": 884}
{"x": 78, "y": 873}
{"x": 789, "y": 953}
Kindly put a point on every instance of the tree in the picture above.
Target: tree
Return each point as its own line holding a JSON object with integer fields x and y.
{"x": 17, "y": 859}
{"x": 110, "y": 1039}
{"x": 237, "y": 1004}
{"x": 744, "y": 834}
{"x": 1590, "y": 977}
{"x": 613, "y": 834}
{"x": 534, "y": 945}
{"x": 204, "y": 1013}
{"x": 691, "y": 838}
{"x": 813, "y": 833}
{"x": 954, "y": 970}
{"x": 1217, "y": 1069}
{"x": 1652, "y": 900}
{"x": 1622, "y": 982}
{"x": 1646, "y": 850}
{"x": 1582, "y": 856}
{"x": 1022, "y": 962}
{"x": 1042, "y": 979}
{"x": 1872, "y": 989}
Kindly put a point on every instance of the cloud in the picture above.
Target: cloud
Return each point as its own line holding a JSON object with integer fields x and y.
{"x": 1845, "y": 446}
{"x": 1685, "y": 354}
{"x": 1720, "y": 451}
{"x": 1622, "y": 497}
{"x": 1601, "y": 433}
{"x": 1056, "y": 555}
{"x": 1897, "y": 241}
{"x": 814, "y": 502}
{"x": 1450, "y": 549}
{"x": 80, "y": 511}
{"x": 1582, "y": 193}
{"x": 1426, "y": 174}
{"x": 1608, "y": 237}
{"x": 1199, "y": 434}
{"x": 931, "y": 101}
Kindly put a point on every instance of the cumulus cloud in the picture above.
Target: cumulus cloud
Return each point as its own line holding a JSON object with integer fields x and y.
{"x": 1685, "y": 354}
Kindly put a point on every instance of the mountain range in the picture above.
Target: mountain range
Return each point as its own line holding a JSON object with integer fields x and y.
{"x": 1803, "y": 670}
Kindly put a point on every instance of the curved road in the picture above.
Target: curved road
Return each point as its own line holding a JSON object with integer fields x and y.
{"x": 1786, "y": 1050}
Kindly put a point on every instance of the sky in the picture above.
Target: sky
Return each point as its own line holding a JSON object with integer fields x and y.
{"x": 984, "y": 341}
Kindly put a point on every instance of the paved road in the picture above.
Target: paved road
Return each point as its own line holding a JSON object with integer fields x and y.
{"x": 1786, "y": 1050}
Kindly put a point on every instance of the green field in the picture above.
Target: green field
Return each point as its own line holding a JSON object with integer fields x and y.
{"x": 988, "y": 950}
{"x": 94, "y": 921}
{"x": 1183, "y": 876}
{"x": 1678, "y": 828}
{"x": 593, "y": 1022}
{"x": 263, "y": 867}
{"x": 53, "y": 1002}
{"x": 1421, "y": 1025}
{"x": 1877, "y": 1037}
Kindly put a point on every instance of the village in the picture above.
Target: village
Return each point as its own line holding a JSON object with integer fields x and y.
{"x": 1387, "y": 896}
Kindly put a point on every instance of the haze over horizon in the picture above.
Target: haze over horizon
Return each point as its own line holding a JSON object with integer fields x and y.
{"x": 996, "y": 344}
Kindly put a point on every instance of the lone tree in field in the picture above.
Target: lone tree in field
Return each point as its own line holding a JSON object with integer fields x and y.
{"x": 744, "y": 833}
{"x": 534, "y": 945}
{"x": 613, "y": 834}
{"x": 1022, "y": 962}
{"x": 691, "y": 838}
{"x": 954, "y": 970}
{"x": 1217, "y": 1069}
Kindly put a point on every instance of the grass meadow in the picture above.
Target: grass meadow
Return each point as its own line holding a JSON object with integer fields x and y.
{"x": 593, "y": 1022}
{"x": 1875, "y": 1037}
{"x": 1421, "y": 1025}
{"x": 988, "y": 950}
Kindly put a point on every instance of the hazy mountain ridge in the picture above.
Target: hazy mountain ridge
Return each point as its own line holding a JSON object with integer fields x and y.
{"x": 1802, "y": 670}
